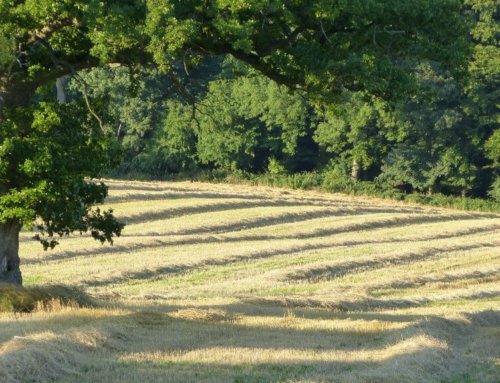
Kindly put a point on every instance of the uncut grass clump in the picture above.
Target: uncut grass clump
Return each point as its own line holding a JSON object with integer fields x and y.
{"x": 25, "y": 300}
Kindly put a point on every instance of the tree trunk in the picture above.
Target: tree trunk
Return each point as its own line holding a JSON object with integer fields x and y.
{"x": 61, "y": 92}
{"x": 355, "y": 170}
{"x": 9, "y": 253}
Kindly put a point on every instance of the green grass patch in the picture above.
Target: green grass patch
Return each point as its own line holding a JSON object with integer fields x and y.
{"x": 36, "y": 279}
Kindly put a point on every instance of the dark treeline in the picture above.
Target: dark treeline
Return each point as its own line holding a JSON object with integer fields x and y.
{"x": 226, "y": 117}
{"x": 439, "y": 136}
{"x": 216, "y": 113}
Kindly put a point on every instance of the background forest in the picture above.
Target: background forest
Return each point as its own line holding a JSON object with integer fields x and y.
{"x": 221, "y": 118}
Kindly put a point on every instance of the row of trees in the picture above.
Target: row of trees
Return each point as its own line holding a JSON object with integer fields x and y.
{"x": 235, "y": 119}
{"x": 355, "y": 67}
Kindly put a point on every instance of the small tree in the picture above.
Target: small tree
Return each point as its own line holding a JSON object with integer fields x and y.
{"x": 358, "y": 130}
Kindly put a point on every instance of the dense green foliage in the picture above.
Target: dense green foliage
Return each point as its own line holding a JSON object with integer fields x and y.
{"x": 48, "y": 160}
{"x": 431, "y": 142}
{"x": 50, "y": 153}
{"x": 321, "y": 46}
{"x": 439, "y": 136}
{"x": 331, "y": 182}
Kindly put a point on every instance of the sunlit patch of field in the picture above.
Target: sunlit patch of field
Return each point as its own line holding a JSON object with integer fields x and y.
{"x": 222, "y": 283}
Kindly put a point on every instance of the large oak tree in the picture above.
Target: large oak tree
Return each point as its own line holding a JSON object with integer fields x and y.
{"x": 49, "y": 153}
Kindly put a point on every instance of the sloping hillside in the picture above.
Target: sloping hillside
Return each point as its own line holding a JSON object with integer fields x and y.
{"x": 224, "y": 283}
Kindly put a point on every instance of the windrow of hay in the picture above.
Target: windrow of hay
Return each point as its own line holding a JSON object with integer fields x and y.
{"x": 197, "y": 314}
{"x": 47, "y": 356}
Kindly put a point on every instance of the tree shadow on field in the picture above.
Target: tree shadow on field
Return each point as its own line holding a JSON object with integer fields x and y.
{"x": 369, "y": 304}
{"x": 288, "y": 218}
{"x": 219, "y": 349}
{"x": 327, "y": 355}
{"x": 311, "y": 274}
{"x": 366, "y": 304}
{"x": 218, "y": 341}
{"x": 217, "y": 344}
{"x": 163, "y": 214}
{"x": 159, "y": 243}
{"x": 340, "y": 269}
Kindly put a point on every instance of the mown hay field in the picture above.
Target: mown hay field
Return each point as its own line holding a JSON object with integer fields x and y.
{"x": 224, "y": 283}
